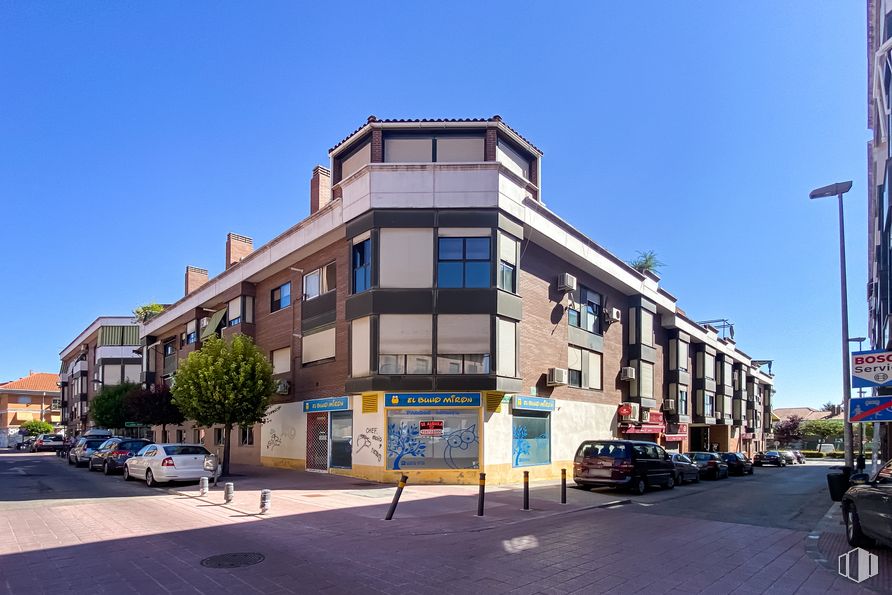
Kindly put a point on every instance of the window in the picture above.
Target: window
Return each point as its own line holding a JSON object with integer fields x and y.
{"x": 406, "y": 258}
{"x": 647, "y": 328}
{"x": 234, "y": 311}
{"x": 574, "y": 365}
{"x": 727, "y": 375}
{"x": 219, "y": 437}
{"x": 457, "y": 447}
{"x": 645, "y": 380}
{"x": 708, "y": 366}
{"x": 341, "y": 439}
{"x": 683, "y": 354}
{"x": 585, "y": 311}
{"x": 512, "y": 159}
{"x": 317, "y": 346}
{"x": 246, "y": 436}
{"x": 356, "y": 160}
{"x": 463, "y": 344}
{"x": 463, "y": 262}
{"x": 280, "y": 297}
{"x": 320, "y": 281}
{"x": 594, "y": 370}
{"x": 405, "y": 344}
{"x": 197, "y": 438}
{"x": 709, "y": 405}
{"x": 507, "y": 278}
{"x": 506, "y": 349}
{"x": 531, "y": 439}
{"x": 281, "y": 359}
{"x": 682, "y": 406}
{"x": 403, "y": 148}
{"x": 181, "y": 436}
{"x": 362, "y": 265}
{"x": 191, "y": 332}
{"x": 360, "y": 343}
{"x": 169, "y": 348}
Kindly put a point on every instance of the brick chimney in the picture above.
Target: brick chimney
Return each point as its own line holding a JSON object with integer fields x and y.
{"x": 195, "y": 278}
{"x": 320, "y": 188}
{"x": 237, "y": 247}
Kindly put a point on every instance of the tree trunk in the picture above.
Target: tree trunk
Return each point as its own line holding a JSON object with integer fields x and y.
{"x": 163, "y": 432}
{"x": 227, "y": 435}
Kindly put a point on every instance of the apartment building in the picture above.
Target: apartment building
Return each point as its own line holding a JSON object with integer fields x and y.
{"x": 102, "y": 354}
{"x": 431, "y": 316}
{"x": 33, "y": 397}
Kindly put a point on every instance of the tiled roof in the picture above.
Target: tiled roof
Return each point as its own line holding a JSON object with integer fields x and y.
{"x": 372, "y": 119}
{"x": 806, "y": 413}
{"x": 38, "y": 381}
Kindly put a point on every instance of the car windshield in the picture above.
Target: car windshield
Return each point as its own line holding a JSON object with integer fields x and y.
{"x": 772, "y": 453}
{"x": 54, "y": 437}
{"x": 603, "y": 449}
{"x": 185, "y": 450}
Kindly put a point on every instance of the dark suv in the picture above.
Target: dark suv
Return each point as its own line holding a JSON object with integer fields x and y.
{"x": 738, "y": 463}
{"x": 114, "y": 452}
{"x": 623, "y": 463}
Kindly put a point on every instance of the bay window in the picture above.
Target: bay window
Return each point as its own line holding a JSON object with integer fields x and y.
{"x": 574, "y": 366}
{"x": 464, "y": 262}
{"x": 405, "y": 344}
{"x": 362, "y": 265}
{"x": 463, "y": 344}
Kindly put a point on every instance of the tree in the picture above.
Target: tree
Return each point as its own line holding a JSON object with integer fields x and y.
{"x": 107, "y": 408}
{"x": 646, "y": 262}
{"x": 37, "y": 426}
{"x": 788, "y": 430}
{"x": 146, "y": 312}
{"x": 152, "y": 406}
{"x": 822, "y": 429}
{"x": 226, "y": 383}
{"x": 828, "y": 406}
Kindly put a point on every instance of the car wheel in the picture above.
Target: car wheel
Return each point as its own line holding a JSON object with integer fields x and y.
{"x": 70, "y": 462}
{"x": 126, "y": 473}
{"x": 105, "y": 469}
{"x": 670, "y": 482}
{"x": 854, "y": 535}
{"x": 150, "y": 479}
{"x": 90, "y": 466}
{"x": 638, "y": 486}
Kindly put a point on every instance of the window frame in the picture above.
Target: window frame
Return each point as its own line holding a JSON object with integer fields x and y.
{"x": 362, "y": 248}
{"x": 246, "y": 436}
{"x": 464, "y": 261}
{"x": 276, "y": 303}
{"x": 581, "y": 309}
{"x": 322, "y": 273}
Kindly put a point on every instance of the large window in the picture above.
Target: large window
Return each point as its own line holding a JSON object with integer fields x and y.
{"x": 362, "y": 265}
{"x": 645, "y": 380}
{"x": 531, "y": 439}
{"x": 318, "y": 346}
{"x": 463, "y": 344}
{"x": 709, "y": 405}
{"x": 406, "y": 258}
{"x": 281, "y": 359}
{"x": 463, "y": 262}
{"x": 191, "y": 332}
{"x": 507, "y": 276}
{"x": 320, "y": 281}
{"x": 682, "y": 407}
{"x": 455, "y": 446}
{"x": 683, "y": 353}
{"x": 585, "y": 311}
{"x": 708, "y": 366}
{"x": 574, "y": 366}
{"x": 647, "y": 328}
{"x": 426, "y": 149}
{"x": 280, "y": 297}
{"x": 405, "y": 344}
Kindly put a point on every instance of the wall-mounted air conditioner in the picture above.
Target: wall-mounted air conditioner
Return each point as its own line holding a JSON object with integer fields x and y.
{"x": 557, "y": 376}
{"x": 615, "y": 315}
{"x": 566, "y": 282}
{"x": 283, "y": 387}
{"x": 627, "y": 373}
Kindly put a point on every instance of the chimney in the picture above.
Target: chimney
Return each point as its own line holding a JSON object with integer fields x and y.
{"x": 195, "y": 278}
{"x": 237, "y": 247}
{"x": 320, "y": 188}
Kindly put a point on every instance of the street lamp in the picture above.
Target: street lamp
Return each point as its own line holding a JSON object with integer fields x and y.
{"x": 860, "y": 465}
{"x": 837, "y": 190}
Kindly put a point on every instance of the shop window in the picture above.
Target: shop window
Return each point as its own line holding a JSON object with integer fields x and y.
{"x": 280, "y": 297}
{"x": 585, "y": 310}
{"x": 246, "y": 436}
{"x": 341, "y": 439}
{"x": 362, "y": 266}
{"x": 463, "y": 262}
{"x": 322, "y": 280}
{"x": 531, "y": 439}
{"x": 451, "y": 440}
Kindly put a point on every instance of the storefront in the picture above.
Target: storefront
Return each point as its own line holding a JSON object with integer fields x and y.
{"x": 329, "y": 433}
{"x": 650, "y": 429}
{"x": 531, "y": 431}
{"x": 676, "y": 437}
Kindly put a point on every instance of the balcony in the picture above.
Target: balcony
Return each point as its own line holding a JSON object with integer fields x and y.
{"x": 116, "y": 352}
{"x": 80, "y": 366}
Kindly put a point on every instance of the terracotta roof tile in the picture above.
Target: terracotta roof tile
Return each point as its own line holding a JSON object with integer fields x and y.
{"x": 806, "y": 413}
{"x": 39, "y": 381}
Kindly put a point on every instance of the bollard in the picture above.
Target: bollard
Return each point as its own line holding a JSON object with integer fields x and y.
{"x": 396, "y": 497}
{"x": 203, "y": 486}
{"x": 481, "y": 494}
{"x": 526, "y": 490}
{"x": 563, "y": 486}
{"x": 228, "y": 491}
{"x": 265, "y": 497}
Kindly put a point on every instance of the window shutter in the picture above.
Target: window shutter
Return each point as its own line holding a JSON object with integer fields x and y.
{"x": 494, "y": 402}
{"x": 370, "y": 403}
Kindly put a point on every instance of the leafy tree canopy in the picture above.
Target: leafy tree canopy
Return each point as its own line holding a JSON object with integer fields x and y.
{"x": 107, "y": 408}
{"x": 823, "y": 428}
{"x": 147, "y": 311}
{"x": 152, "y": 406}
{"x": 789, "y": 429}
{"x": 646, "y": 262}
{"x": 828, "y": 406}
{"x": 36, "y": 426}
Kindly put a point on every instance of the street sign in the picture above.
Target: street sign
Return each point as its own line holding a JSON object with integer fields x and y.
{"x": 871, "y": 368}
{"x": 133, "y": 424}
{"x": 870, "y": 409}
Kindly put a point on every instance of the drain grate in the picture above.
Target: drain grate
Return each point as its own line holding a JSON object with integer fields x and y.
{"x": 236, "y": 560}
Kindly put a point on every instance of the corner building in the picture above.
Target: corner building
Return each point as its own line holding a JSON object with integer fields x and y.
{"x": 432, "y": 317}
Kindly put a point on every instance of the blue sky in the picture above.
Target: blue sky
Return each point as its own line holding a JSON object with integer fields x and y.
{"x": 134, "y": 136}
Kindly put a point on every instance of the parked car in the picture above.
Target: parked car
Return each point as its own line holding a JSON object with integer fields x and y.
{"x": 800, "y": 458}
{"x": 114, "y": 452}
{"x": 771, "y": 457}
{"x": 83, "y": 450}
{"x": 867, "y": 507}
{"x": 47, "y": 442}
{"x": 685, "y": 469}
{"x": 789, "y": 457}
{"x": 738, "y": 463}
{"x": 159, "y": 463}
{"x": 711, "y": 464}
{"x": 26, "y": 443}
{"x": 632, "y": 464}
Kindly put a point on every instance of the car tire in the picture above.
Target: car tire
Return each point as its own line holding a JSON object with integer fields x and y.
{"x": 90, "y": 466}
{"x": 70, "y": 462}
{"x": 670, "y": 483}
{"x": 150, "y": 479}
{"x": 638, "y": 486}
{"x": 126, "y": 473}
{"x": 105, "y": 469}
{"x": 854, "y": 535}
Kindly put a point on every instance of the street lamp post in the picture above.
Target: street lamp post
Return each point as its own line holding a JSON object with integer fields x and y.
{"x": 837, "y": 190}
{"x": 860, "y": 465}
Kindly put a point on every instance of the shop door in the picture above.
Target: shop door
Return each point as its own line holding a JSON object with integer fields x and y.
{"x": 342, "y": 439}
{"x": 317, "y": 442}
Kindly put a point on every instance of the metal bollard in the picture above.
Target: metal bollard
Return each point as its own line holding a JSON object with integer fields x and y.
{"x": 203, "y": 486}
{"x": 481, "y": 494}
{"x": 396, "y": 497}
{"x": 526, "y": 490}
{"x": 228, "y": 492}
{"x": 265, "y": 497}
{"x": 563, "y": 486}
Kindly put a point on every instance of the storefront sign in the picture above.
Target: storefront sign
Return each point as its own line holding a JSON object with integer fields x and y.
{"x": 871, "y": 368}
{"x": 330, "y": 404}
{"x": 432, "y": 427}
{"x": 432, "y": 400}
{"x": 655, "y": 417}
{"x": 533, "y": 403}
{"x": 644, "y": 429}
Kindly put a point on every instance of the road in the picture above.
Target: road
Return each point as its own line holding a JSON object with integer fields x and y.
{"x": 67, "y": 530}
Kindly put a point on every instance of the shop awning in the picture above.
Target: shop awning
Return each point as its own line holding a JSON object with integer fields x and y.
{"x": 675, "y": 437}
{"x": 213, "y": 324}
{"x": 644, "y": 429}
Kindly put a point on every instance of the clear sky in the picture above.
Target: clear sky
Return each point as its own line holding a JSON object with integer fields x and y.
{"x": 134, "y": 136}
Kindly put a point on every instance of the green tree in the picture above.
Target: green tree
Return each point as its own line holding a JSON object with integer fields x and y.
{"x": 152, "y": 406}
{"x": 828, "y": 406}
{"x": 36, "y": 426}
{"x": 822, "y": 429}
{"x": 788, "y": 430}
{"x": 226, "y": 383}
{"x": 107, "y": 408}
{"x": 147, "y": 311}
{"x": 646, "y": 262}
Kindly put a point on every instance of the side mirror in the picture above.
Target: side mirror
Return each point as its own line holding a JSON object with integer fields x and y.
{"x": 859, "y": 479}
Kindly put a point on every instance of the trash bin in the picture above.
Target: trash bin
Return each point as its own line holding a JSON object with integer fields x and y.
{"x": 838, "y": 481}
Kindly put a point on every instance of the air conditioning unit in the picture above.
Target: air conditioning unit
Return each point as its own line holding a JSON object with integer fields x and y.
{"x": 566, "y": 282}
{"x": 668, "y": 404}
{"x": 634, "y": 412}
{"x": 627, "y": 373}
{"x": 615, "y": 315}
{"x": 557, "y": 376}
{"x": 283, "y": 387}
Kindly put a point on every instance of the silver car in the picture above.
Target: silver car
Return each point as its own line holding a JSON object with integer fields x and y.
{"x": 80, "y": 454}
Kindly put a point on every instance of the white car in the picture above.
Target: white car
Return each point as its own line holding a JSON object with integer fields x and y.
{"x": 159, "y": 463}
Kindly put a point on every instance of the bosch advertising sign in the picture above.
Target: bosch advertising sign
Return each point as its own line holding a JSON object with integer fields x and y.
{"x": 871, "y": 368}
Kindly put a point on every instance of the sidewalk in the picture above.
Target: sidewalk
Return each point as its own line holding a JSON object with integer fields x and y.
{"x": 422, "y": 509}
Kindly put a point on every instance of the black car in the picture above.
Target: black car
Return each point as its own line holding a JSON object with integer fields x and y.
{"x": 738, "y": 463}
{"x": 772, "y": 457}
{"x": 867, "y": 507}
{"x": 623, "y": 463}
{"x": 685, "y": 469}
{"x": 111, "y": 454}
{"x": 711, "y": 464}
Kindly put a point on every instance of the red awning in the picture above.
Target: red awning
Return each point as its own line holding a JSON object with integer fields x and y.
{"x": 645, "y": 429}
{"x": 675, "y": 437}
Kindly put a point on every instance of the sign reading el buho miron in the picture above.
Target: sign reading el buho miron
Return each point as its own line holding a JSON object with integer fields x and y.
{"x": 432, "y": 400}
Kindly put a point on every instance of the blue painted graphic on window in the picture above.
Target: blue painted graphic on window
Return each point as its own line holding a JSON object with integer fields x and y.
{"x": 531, "y": 440}
{"x": 449, "y": 441}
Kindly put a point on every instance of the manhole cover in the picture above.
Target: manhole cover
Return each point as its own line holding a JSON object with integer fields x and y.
{"x": 236, "y": 560}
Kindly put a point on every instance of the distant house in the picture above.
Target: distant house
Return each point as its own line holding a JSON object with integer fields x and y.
{"x": 36, "y": 396}
{"x": 806, "y": 413}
